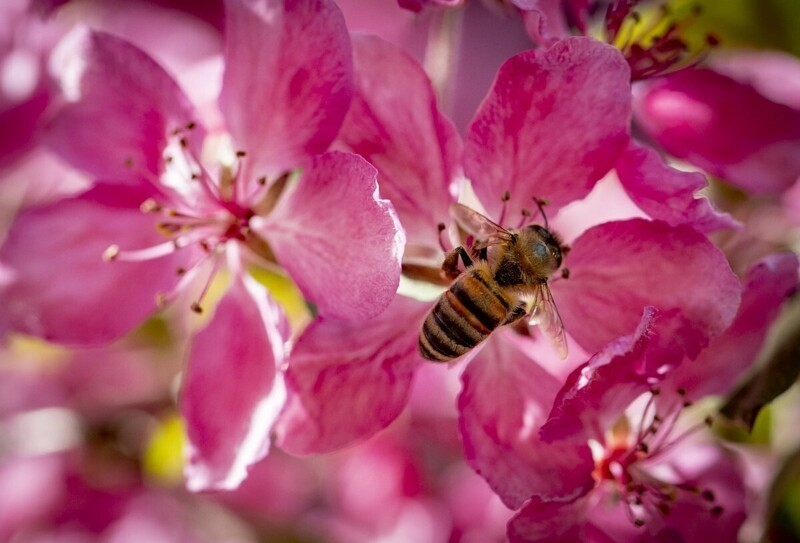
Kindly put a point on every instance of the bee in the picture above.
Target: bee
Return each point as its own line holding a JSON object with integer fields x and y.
{"x": 504, "y": 268}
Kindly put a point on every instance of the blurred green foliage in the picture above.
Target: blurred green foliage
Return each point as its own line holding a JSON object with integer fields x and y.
{"x": 768, "y": 24}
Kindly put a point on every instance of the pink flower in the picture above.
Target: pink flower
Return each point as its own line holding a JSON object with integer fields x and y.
{"x": 696, "y": 116}
{"x": 651, "y": 478}
{"x": 168, "y": 218}
{"x": 554, "y": 123}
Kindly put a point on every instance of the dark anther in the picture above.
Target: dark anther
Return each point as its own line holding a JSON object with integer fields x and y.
{"x": 655, "y": 391}
{"x": 712, "y": 40}
{"x": 638, "y": 523}
{"x": 184, "y": 142}
{"x": 262, "y": 180}
{"x": 195, "y": 176}
{"x": 196, "y": 308}
{"x": 565, "y": 273}
{"x": 682, "y": 391}
{"x": 180, "y": 271}
{"x": 717, "y": 511}
{"x": 441, "y": 226}
{"x": 241, "y": 154}
{"x": 708, "y": 496}
{"x": 190, "y": 125}
{"x": 526, "y": 213}
{"x": 664, "y": 508}
{"x": 643, "y": 447}
{"x": 709, "y": 421}
{"x": 687, "y": 404}
{"x": 506, "y": 196}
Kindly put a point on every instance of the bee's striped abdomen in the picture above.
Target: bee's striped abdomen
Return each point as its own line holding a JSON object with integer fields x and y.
{"x": 463, "y": 316}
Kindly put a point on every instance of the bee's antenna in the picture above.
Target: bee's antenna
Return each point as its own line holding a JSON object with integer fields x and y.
{"x": 540, "y": 204}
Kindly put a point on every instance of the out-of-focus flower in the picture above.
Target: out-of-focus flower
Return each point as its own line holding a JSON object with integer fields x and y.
{"x": 735, "y": 119}
{"x": 166, "y": 220}
{"x": 25, "y": 87}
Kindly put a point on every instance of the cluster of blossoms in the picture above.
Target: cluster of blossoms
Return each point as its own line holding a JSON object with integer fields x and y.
{"x": 145, "y": 184}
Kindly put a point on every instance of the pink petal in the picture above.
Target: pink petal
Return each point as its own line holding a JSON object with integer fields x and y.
{"x": 548, "y": 20}
{"x": 550, "y": 522}
{"x": 120, "y": 107}
{"x": 618, "y": 268}
{"x": 597, "y": 392}
{"x": 31, "y": 490}
{"x": 21, "y": 125}
{"x": 704, "y": 465}
{"x": 340, "y": 242}
{"x": 62, "y": 290}
{"x": 394, "y": 123}
{"x": 666, "y": 193}
{"x": 232, "y": 392}
{"x": 696, "y": 115}
{"x": 552, "y": 125}
{"x": 774, "y": 74}
{"x": 505, "y": 398}
{"x": 417, "y": 5}
{"x": 767, "y": 285}
{"x": 288, "y": 79}
{"x": 347, "y": 380}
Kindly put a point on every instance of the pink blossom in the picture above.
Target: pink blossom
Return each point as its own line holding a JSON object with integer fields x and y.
{"x": 695, "y": 115}
{"x": 338, "y": 394}
{"x": 651, "y": 474}
{"x": 166, "y": 222}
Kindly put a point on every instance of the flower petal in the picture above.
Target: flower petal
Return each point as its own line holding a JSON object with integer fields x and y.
{"x": 666, "y": 193}
{"x": 553, "y": 124}
{"x": 597, "y": 392}
{"x": 548, "y": 20}
{"x": 347, "y": 380}
{"x": 394, "y": 123}
{"x": 696, "y": 115}
{"x": 768, "y": 284}
{"x": 774, "y": 74}
{"x": 618, "y": 268}
{"x": 549, "y": 522}
{"x": 232, "y": 391}
{"x": 288, "y": 79}
{"x": 338, "y": 240}
{"x": 120, "y": 108}
{"x": 505, "y": 398}
{"x": 59, "y": 278}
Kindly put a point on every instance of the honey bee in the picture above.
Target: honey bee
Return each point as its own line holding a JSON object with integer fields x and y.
{"x": 503, "y": 269}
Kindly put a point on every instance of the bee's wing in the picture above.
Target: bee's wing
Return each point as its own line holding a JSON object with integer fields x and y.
{"x": 545, "y": 316}
{"x": 485, "y": 231}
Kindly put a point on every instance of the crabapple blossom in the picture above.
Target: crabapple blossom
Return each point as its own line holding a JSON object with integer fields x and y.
{"x": 166, "y": 218}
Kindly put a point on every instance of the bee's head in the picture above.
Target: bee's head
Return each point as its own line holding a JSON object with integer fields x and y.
{"x": 546, "y": 245}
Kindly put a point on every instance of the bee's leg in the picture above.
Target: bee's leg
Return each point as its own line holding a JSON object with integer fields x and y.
{"x": 519, "y": 311}
{"x": 450, "y": 264}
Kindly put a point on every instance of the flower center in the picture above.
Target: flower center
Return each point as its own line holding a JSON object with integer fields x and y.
{"x": 623, "y": 462}
{"x": 198, "y": 210}
{"x": 655, "y": 42}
